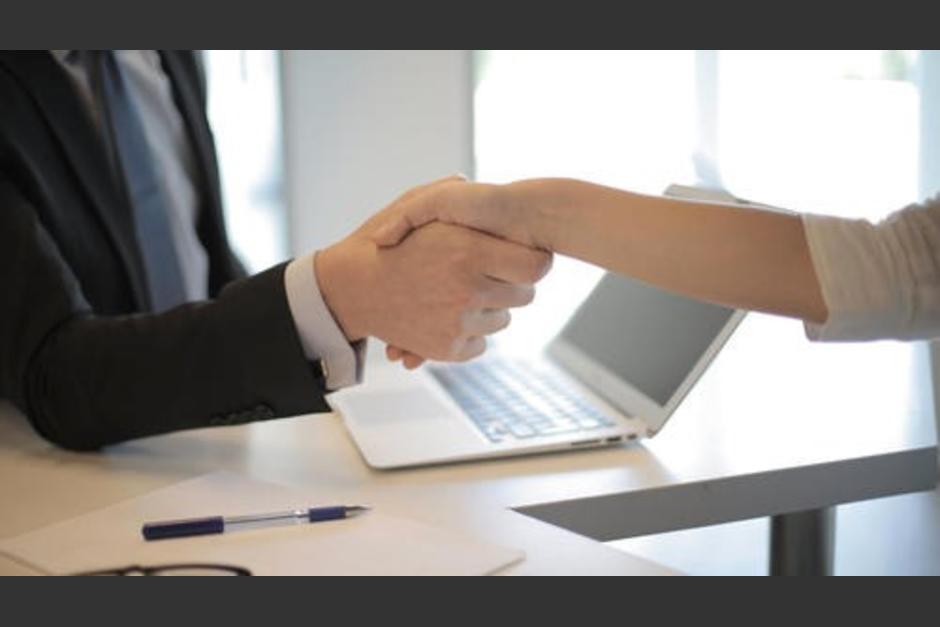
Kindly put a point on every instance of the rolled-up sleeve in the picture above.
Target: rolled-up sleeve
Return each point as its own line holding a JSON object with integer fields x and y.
{"x": 879, "y": 281}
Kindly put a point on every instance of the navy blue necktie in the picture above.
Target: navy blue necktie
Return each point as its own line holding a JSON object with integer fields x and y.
{"x": 134, "y": 161}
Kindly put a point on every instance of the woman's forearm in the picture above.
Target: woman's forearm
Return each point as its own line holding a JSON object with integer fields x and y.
{"x": 739, "y": 257}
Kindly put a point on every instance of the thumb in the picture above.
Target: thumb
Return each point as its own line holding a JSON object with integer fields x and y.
{"x": 407, "y": 216}
{"x": 393, "y": 231}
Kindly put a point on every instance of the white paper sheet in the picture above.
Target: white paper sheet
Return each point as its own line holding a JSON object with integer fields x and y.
{"x": 371, "y": 544}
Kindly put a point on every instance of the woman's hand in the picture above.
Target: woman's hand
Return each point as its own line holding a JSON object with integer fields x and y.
{"x": 492, "y": 209}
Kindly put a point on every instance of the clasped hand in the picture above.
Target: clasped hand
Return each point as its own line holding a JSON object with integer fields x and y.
{"x": 429, "y": 290}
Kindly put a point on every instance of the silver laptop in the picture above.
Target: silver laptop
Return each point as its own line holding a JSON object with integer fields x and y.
{"x": 615, "y": 373}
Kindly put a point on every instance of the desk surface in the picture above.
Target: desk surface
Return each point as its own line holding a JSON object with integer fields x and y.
{"x": 777, "y": 425}
{"x": 42, "y": 485}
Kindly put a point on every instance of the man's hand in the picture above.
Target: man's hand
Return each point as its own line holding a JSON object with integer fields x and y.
{"x": 436, "y": 295}
{"x": 487, "y": 208}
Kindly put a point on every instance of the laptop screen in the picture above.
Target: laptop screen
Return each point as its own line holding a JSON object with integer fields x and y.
{"x": 651, "y": 338}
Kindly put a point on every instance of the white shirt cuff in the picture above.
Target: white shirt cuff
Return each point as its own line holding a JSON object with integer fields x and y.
{"x": 320, "y": 336}
{"x": 856, "y": 279}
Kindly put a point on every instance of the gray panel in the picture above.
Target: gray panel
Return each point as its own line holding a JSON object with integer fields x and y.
{"x": 675, "y": 506}
{"x": 648, "y": 337}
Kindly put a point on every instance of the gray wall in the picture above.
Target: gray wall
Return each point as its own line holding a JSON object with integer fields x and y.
{"x": 362, "y": 126}
{"x": 929, "y": 77}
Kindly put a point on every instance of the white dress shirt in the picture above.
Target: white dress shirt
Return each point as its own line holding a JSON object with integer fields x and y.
{"x": 879, "y": 281}
{"x": 151, "y": 91}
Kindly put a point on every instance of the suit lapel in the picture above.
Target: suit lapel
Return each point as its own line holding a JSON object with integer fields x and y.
{"x": 66, "y": 115}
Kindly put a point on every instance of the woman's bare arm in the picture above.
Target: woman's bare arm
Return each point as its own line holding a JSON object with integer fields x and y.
{"x": 746, "y": 258}
{"x": 740, "y": 257}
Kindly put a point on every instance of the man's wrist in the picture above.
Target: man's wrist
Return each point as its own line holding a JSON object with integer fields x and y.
{"x": 339, "y": 285}
{"x": 322, "y": 339}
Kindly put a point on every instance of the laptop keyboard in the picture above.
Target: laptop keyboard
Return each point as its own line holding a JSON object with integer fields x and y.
{"x": 509, "y": 400}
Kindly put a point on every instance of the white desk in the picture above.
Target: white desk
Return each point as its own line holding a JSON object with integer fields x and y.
{"x": 756, "y": 438}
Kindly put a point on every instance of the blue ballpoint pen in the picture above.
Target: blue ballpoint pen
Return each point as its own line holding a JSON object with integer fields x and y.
{"x": 222, "y": 524}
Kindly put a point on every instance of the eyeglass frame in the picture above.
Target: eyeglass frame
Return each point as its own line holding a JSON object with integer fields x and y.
{"x": 152, "y": 571}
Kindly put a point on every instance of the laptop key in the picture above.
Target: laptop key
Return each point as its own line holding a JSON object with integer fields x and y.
{"x": 522, "y": 430}
{"x": 590, "y": 423}
{"x": 557, "y": 429}
{"x": 507, "y": 401}
{"x": 495, "y": 432}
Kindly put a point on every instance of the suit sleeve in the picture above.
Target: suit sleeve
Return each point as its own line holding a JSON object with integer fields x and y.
{"x": 86, "y": 381}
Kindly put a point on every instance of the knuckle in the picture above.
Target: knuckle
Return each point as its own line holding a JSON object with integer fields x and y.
{"x": 548, "y": 260}
{"x": 522, "y": 295}
{"x": 476, "y": 299}
{"x": 539, "y": 265}
{"x": 469, "y": 296}
{"x": 477, "y": 348}
{"x": 444, "y": 350}
{"x": 469, "y": 350}
{"x": 505, "y": 319}
{"x": 454, "y": 328}
{"x": 461, "y": 301}
{"x": 527, "y": 295}
{"x": 453, "y": 331}
{"x": 458, "y": 351}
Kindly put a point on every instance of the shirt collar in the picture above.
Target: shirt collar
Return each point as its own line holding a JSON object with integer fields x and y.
{"x": 64, "y": 56}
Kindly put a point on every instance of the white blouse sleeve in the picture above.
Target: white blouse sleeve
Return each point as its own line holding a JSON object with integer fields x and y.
{"x": 879, "y": 281}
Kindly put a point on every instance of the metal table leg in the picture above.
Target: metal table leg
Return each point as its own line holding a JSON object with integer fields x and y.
{"x": 803, "y": 543}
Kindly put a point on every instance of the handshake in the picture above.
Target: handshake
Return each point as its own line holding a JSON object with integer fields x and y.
{"x": 435, "y": 272}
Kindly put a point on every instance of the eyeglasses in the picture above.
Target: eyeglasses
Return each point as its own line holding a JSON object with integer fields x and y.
{"x": 172, "y": 570}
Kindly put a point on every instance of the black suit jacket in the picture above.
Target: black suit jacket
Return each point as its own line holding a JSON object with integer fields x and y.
{"x": 78, "y": 353}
